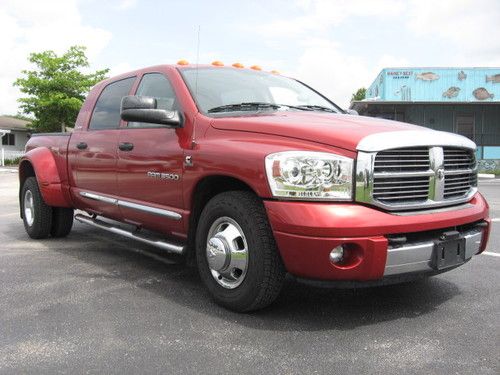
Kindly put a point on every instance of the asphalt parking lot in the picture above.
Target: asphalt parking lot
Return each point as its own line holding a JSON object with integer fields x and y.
{"x": 96, "y": 303}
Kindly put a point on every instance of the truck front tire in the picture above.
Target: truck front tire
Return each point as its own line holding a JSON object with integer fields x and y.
{"x": 37, "y": 216}
{"x": 237, "y": 257}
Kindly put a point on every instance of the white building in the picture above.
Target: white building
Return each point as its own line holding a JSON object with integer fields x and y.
{"x": 15, "y": 135}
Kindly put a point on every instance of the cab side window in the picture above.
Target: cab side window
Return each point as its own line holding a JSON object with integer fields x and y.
{"x": 106, "y": 113}
{"x": 156, "y": 85}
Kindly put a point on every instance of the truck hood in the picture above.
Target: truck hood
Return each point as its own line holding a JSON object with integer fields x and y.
{"x": 344, "y": 131}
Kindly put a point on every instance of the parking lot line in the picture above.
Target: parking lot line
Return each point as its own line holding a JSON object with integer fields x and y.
{"x": 495, "y": 219}
{"x": 490, "y": 253}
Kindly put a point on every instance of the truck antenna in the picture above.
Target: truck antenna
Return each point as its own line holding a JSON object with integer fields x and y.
{"x": 193, "y": 139}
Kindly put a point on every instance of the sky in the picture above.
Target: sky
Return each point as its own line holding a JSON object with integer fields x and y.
{"x": 335, "y": 46}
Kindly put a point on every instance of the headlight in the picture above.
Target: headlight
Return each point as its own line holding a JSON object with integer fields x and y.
{"x": 310, "y": 175}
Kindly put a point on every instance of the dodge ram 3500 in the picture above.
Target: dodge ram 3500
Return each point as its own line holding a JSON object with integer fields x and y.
{"x": 252, "y": 175}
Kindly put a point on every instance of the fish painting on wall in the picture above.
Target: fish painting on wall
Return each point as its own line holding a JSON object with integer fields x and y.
{"x": 427, "y": 76}
{"x": 495, "y": 78}
{"x": 462, "y": 75}
{"x": 452, "y": 92}
{"x": 482, "y": 94}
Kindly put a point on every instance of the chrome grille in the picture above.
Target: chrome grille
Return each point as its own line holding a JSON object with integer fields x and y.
{"x": 416, "y": 177}
{"x": 402, "y": 160}
{"x": 459, "y": 185}
{"x": 458, "y": 158}
{"x": 390, "y": 186}
{"x": 463, "y": 163}
{"x": 390, "y": 190}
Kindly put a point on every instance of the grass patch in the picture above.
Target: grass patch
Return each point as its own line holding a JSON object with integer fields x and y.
{"x": 11, "y": 162}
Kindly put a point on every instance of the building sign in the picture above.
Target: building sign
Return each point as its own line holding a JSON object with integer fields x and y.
{"x": 400, "y": 74}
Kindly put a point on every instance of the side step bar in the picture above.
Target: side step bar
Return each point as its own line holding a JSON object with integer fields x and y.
{"x": 168, "y": 246}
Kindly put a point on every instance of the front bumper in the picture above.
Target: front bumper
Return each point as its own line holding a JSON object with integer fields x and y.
{"x": 306, "y": 232}
{"x": 418, "y": 256}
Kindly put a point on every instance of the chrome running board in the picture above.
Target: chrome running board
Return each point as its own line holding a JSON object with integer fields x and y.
{"x": 168, "y": 246}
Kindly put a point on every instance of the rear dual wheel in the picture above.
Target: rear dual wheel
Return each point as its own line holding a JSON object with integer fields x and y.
{"x": 41, "y": 220}
{"x": 236, "y": 253}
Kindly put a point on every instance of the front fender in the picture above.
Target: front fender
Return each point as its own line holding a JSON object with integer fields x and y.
{"x": 42, "y": 162}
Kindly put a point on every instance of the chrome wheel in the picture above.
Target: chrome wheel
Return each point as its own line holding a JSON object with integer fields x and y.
{"x": 29, "y": 208}
{"x": 227, "y": 252}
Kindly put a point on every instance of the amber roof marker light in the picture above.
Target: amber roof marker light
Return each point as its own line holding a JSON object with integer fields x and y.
{"x": 235, "y": 65}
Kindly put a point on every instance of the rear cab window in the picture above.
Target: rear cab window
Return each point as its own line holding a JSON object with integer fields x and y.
{"x": 106, "y": 114}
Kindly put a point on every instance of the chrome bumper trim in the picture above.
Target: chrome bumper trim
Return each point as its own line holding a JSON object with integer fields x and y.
{"x": 417, "y": 257}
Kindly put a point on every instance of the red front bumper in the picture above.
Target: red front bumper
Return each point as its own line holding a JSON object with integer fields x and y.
{"x": 306, "y": 232}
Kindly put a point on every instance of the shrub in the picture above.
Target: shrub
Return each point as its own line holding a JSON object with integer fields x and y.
{"x": 14, "y": 161}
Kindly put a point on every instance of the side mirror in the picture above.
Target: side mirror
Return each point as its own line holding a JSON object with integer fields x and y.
{"x": 352, "y": 112}
{"x": 145, "y": 109}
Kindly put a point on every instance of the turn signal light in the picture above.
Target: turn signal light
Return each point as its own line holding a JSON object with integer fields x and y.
{"x": 255, "y": 67}
{"x": 217, "y": 63}
{"x": 182, "y": 62}
{"x": 275, "y": 72}
{"x": 238, "y": 65}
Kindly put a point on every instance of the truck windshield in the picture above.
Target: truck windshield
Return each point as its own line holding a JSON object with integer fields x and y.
{"x": 218, "y": 89}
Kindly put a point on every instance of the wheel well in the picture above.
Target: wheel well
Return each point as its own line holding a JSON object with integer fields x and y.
{"x": 25, "y": 170}
{"x": 205, "y": 190}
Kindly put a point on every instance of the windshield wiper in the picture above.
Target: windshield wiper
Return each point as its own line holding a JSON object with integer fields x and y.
{"x": 249, "y": 106}
{"x": 316, "y": 108}
{"x": 244, "y": 107}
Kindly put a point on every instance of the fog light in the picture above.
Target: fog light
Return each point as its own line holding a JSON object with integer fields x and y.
{"x": 337, "y": 254}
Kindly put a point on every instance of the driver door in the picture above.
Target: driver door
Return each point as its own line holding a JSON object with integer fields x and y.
{"x": 150, "y": 165}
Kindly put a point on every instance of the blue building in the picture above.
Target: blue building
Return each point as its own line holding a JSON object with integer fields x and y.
{"x": 460, "y": 100}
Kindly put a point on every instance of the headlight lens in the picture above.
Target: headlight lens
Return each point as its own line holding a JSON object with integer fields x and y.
{"x": 310, "y": 175}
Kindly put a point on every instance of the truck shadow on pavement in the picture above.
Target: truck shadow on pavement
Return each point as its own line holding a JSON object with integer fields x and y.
{"x": 109, "y": 258}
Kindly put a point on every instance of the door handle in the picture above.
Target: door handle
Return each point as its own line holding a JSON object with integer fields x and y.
{"x": 81, "y": 146}
{"x": 126, "y": 146}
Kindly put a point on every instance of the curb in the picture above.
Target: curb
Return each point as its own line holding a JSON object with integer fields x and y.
{"x": 485, "y": 175}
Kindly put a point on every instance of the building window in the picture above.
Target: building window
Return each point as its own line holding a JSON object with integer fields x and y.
{"x": 9, "y": 140}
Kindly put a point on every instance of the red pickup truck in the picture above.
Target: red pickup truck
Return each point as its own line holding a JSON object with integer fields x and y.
{"x": 252, "y": 175}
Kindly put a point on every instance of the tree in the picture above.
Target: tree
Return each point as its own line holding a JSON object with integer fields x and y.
{"x": 56, "y": 89}
{"x": 359, "y": 95}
